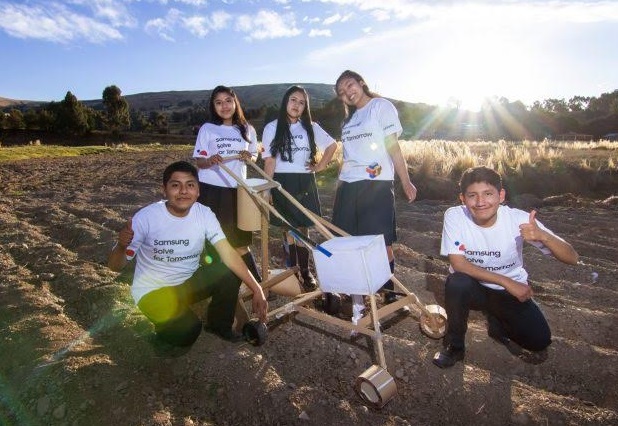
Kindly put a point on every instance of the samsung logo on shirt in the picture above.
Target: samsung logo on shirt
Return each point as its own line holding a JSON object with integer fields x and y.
{"x": 171, "y": 242}
{"x": 495, "y": 254}
{"x": 228, "y": 139}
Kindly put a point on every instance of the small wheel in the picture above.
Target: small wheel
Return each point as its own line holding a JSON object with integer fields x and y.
{"x": 433, "y": 324}
{"x": 332, "y": 303}
{"x": 255, "y": 332}
{"x": 375, "y": 386}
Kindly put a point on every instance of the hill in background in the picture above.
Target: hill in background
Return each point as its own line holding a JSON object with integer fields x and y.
{"x": 251, "y": 97}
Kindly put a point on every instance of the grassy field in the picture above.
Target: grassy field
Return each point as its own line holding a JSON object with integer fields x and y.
{"x": 542, "y": 168}
{"x": 25, "y": 152}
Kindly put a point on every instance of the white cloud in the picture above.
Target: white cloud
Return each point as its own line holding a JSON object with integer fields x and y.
{"x": 311, "y": 20}
{"x": 53, "y": 22}
{"x": 267, "y": 24}
{"x": 381, "y": 15}
{"x": 202, "y": 25}
{"x": 164, "y": 27}
{"x": 319, "y": 33}
{"x": 197, "y": 25}
{"x": 332, "y": 19}
{"x": 219, "y": 20}
{"x": 539, "y": 11}
{"x": 189, "y": 2}
{"x": 113, "y": 11}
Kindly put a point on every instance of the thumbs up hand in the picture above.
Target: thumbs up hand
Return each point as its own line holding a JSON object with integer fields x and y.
{"x": 530, "y": 231}
{"x": 125, "y": 235}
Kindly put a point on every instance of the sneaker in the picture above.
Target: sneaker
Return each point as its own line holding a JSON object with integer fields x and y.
{"x": 228, "y": 335}
{"x": 448, "y": 356}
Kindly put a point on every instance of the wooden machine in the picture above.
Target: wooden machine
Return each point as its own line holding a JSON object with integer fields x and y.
{"x": 345, "y": 265}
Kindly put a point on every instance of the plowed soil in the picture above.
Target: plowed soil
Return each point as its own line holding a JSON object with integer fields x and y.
{"x": 74, "y": 350}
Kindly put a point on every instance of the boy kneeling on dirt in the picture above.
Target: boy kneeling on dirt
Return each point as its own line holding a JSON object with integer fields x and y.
{"x": 173, "y": 271}
{"x": 484, "y": 241}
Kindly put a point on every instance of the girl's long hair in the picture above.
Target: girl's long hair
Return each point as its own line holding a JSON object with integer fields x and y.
{"x": 282, "y": 142}
{"x": 238, "y": 119}
{"x": 351, "y": 109}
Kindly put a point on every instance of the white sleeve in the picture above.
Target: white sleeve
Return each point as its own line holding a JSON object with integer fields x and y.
{"x": 139, "y": 235}
{"x": 322, "y": 139}
{"x": 253, "y": 141}
{"x": 201, "y": 144}
{"x": 451, "y": 232}
{"x": 267, "y": 137}
{"x": 388, "y": 118}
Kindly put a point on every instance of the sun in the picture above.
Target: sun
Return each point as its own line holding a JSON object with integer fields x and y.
{"x": 476, "y": 65}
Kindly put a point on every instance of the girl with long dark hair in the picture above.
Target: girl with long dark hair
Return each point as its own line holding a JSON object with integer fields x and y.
{"x": 291, "y": 146}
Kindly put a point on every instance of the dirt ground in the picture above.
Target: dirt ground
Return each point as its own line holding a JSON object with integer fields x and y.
{"x": 74, "y": 351}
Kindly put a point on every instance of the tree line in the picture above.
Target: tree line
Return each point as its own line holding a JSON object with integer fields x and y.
{"x": 580, "y": 117}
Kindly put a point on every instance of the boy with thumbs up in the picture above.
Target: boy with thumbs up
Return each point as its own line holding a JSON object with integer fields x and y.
{"x": 483, "y": 240}
{"x": 167, "y": 239}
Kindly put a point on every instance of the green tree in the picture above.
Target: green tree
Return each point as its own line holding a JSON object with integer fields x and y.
{"x": 139, "y": 121}
{"x": 31, "y": 119}
{"x": 15, "y": 120}
{"x": 159, "y": 122}
{"x": 117, "y": 117}
{"x": 71, "y": 116}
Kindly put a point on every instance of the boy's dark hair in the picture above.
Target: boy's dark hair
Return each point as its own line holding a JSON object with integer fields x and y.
{"x": 479, "y": 174}
{"x": 179, "y": 166}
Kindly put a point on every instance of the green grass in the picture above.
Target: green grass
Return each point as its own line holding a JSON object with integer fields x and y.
{"x": 52, "y": 151}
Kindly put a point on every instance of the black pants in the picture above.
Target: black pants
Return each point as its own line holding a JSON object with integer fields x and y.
{"x": 522, "y": 322}
{"x": 169, "y": 308}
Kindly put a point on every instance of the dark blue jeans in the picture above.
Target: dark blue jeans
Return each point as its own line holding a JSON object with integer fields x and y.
{"x": 169, "y": 308}
{"x": 522, "y": 322}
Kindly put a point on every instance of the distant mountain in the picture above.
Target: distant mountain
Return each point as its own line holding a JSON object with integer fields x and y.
{"x": 6, "y": 102}
{"x": 251, "y": 97}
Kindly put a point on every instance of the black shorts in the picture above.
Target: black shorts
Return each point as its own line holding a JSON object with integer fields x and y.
{"x": 303, "y": 188}
{"x": 366, "y": 207}
{"x": 222, "y": 202}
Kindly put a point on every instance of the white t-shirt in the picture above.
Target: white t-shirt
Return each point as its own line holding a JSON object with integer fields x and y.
{"x": 168, "y": 247}
{"x": 365, "y": 156}
{"x": 226, "y": 141}
{"x": 301, "y": 151}
{"x": 497, "y": 248}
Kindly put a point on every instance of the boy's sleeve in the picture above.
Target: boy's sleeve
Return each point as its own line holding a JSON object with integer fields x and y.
{"x": 139, "y": 234}
{"x": 214, "y": 233}
{"x": 451, "y": 234}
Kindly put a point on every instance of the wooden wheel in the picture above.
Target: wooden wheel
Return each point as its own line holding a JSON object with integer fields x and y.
{"x": 433, "y": 322}
{"x": 376, "y": 386}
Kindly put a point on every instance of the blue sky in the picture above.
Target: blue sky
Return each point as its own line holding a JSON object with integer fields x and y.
{"x": 417, "y": 51}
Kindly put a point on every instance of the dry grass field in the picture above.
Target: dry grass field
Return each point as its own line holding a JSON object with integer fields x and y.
{"x": 74, "y": 350}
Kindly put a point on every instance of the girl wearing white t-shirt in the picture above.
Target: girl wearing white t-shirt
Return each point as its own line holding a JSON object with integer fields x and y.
{"x": 365, "y": 198}
{"x": 291, "y": 144}
{"x": 226, "y": 134}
